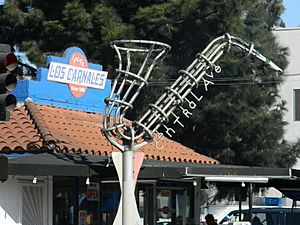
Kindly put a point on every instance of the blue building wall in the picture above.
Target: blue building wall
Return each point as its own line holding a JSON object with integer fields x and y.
{"x": 43, "y": 91}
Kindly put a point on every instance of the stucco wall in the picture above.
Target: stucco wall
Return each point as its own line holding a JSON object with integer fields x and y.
{"x": 13, "y": 195}
{"x": 9, "y": 203}
{"x": 290, "y": 38}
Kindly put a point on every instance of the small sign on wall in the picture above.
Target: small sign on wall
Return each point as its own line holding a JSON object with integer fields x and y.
{"x": 92, "y": 193}
{"x": 82, "y": 216}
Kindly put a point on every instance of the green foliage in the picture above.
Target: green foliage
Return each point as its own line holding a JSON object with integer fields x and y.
{"x": 49, "y": 28}
{"x": 239, "y": 120}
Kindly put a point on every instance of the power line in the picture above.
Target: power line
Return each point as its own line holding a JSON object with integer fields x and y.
{"x": 220, "y": 82}
{"x": 215, "y": 84}
{"x": 231, "y": 81}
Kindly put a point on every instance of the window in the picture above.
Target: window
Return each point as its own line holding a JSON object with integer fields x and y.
{"x": 64, "y": 201}
{"x": 173, "y": 207}
{"x": 297, "y": 104}
{"x": 110, "y": 202}
{"x": 75, "y": 203}
{"x": 33, "y": 201}
{"x": 32, "y": 205}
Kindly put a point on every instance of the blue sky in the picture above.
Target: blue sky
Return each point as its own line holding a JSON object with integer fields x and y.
{"x": 291, "y": 16}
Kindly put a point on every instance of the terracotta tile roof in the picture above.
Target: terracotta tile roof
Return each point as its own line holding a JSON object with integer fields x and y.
{"x": 35, "y": 127}
{"x": 19, "y": 134}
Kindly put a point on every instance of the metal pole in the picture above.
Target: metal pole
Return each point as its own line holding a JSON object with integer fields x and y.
{"x": 126, "y": 87}
{"x": 250, "y": 201}
{"x": 127, "y": 181}
{"x": 240, "y": 203}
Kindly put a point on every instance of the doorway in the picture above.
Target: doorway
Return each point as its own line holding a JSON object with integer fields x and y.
{"x": 164, "y": 205}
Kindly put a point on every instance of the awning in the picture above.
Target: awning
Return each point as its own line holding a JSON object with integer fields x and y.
{"x": 55, "y": 164}
{"x": 70, "y": 164}
{"x": 212, "y": 172}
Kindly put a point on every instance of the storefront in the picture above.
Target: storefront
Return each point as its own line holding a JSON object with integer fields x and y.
{"x": 158, "y": 202}
{"x": 53, "y": 189}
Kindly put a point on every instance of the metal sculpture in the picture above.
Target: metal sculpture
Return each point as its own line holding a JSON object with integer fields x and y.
{"x": 129, "y": 137}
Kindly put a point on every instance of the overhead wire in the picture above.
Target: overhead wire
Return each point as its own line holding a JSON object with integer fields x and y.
{"x": 225, "y": 81}
{"x": 231, "y": 81}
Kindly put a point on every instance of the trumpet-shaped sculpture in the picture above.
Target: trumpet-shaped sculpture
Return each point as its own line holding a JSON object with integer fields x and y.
{"x": 128, "y": 84}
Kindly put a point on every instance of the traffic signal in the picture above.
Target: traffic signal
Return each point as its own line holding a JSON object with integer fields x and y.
{"x": 8, "y": 81}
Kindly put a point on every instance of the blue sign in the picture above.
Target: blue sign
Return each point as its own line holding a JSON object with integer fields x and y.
{"x": 68, "y": 82}
{"x": 273, "y": 201}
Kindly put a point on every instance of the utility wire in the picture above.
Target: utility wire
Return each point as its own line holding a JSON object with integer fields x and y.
{"x": 222, "y": 82}
{"x": 215, "y": 84}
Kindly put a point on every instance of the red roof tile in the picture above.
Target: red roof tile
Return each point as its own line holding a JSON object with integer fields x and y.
{"x": 19, "y": 133}
{"x": 46, "y": 128}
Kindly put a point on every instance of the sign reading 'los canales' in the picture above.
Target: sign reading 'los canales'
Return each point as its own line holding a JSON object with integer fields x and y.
{"x": 77, "y": 73}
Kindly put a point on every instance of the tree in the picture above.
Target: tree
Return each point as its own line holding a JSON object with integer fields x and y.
{"x": 239, "y": 120}
{"x": 41, "y": 28}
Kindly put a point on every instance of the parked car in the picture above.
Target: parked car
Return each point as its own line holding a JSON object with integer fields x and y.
{"x": 266, "y": 216}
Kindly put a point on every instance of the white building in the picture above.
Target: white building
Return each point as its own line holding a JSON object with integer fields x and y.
{"x": 290, "y": 88}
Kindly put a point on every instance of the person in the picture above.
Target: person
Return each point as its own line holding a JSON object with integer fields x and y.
{"x": 256, "y": 221}
{"x": 210, "y": 220}
{"x": 225, "y": 219}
